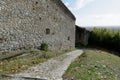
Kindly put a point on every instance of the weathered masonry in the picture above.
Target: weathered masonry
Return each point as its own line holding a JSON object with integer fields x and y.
{"x": 28, "y": 23}
{"x": 82, "y": 36}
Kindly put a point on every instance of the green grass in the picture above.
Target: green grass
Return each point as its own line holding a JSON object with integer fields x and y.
{"x": 33, "y": 57}
{"x": 94, "y": 65}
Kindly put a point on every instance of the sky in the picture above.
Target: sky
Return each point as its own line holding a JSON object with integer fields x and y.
{"x": 95, "y": 12}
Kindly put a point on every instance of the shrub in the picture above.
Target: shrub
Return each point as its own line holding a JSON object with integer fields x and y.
{"x": 44, "y": 47}
{"x": 105, "y": 38}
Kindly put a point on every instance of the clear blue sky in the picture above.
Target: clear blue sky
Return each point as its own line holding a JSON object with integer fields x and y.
{"x": 95, "y": 12}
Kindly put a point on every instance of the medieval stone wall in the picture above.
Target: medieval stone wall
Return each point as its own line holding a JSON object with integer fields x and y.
{"x": 28, "y": 23}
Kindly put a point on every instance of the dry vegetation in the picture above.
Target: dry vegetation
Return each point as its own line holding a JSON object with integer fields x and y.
{"x": 31, "y": 58}
{"x": 94, "y": 65}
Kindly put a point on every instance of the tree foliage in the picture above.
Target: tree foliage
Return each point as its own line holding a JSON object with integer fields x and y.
{"x": 105, "y": 38}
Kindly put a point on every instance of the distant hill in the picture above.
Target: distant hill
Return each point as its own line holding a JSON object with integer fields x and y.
{"x": 110, "y": 27}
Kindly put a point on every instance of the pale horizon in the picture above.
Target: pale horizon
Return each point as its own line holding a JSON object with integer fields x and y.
{"x": 95, "y": 12}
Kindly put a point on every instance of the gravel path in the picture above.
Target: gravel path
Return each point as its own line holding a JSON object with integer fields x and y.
{"x": 53, "y": 69}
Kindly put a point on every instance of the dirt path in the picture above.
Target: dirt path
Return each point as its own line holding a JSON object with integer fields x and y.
{"x": 53, "y": 69}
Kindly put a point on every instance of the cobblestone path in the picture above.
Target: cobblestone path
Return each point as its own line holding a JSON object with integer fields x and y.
{"x": 52, "y": 69}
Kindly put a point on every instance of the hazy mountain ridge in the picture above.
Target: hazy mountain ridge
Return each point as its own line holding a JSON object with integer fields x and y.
{"x": 110, "y": 27}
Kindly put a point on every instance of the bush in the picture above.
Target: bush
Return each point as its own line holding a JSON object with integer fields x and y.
{"x": 44, "y": 47}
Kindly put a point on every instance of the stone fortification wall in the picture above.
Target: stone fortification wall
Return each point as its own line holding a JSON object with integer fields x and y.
{"x": 28, "y": 23}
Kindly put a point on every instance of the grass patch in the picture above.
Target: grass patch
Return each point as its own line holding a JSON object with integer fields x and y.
{"x": 32, "y": 58}
{"x": 94, "y": 65}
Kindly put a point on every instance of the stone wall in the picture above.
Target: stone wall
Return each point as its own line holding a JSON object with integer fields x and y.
{"x": 28, "y": 23}
{"x": 82, "y": 36}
